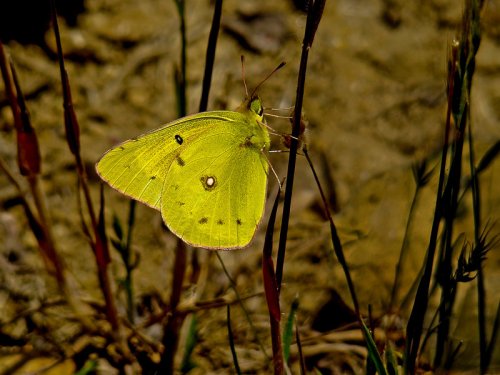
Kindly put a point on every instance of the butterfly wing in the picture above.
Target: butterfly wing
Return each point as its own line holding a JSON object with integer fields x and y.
{"x": 214, "y": 194}
{"x": 206, "y": 173}
{"x": 138, "y": 167}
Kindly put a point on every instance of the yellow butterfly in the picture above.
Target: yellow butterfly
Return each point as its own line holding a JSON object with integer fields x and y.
{"x": 206, "y": 173}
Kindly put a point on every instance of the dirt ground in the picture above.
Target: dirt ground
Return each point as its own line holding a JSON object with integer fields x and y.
{"x": 375, "y": 102}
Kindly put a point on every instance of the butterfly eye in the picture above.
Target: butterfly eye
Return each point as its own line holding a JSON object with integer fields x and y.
{"x": 256, "y": 106}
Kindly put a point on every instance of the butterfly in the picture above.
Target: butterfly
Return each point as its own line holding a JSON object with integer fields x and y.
{"x": 206, "y": 173}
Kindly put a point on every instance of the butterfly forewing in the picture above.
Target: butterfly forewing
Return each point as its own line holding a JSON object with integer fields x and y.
{"x": 137, "y": 167}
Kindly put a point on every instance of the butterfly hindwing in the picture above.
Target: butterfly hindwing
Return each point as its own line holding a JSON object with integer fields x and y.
{"x": 214, "y": 193}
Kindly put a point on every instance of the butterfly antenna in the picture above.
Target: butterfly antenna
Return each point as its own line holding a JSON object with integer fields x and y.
{"x": 281, "y": 65}
{"x": 243, "y": 74}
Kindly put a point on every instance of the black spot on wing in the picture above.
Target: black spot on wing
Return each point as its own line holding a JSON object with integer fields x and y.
{"x": 179, "y": 139}
{"x": 203, "y": 220}
{"x": 180, "y": 161}
{"x": 152, "y": 177}
{"x": 238, "y": 222}
{"x": 220, "y": 222}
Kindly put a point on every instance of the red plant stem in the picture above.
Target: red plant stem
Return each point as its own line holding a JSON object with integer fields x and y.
{"x": 29, "y": 166}
{"x": 103, "y": 259}
{"x": 272, "y": 292}
{"x": 272, "y": 297}
{"x": 99, "y": 242}
{"x": 175, "y": 318}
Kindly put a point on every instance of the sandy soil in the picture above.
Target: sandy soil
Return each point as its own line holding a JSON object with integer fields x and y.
{"x": 375, "y": 102}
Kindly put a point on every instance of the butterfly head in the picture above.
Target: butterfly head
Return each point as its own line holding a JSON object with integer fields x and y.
{"x": 253, "y": 106}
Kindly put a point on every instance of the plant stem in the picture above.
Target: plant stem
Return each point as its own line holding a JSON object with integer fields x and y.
{"x": 314, "y": 14}
{"x": 210, "y": 56}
